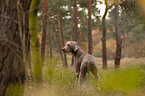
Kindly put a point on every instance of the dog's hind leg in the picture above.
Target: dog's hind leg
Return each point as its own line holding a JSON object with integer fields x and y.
{"x": 94, "y": 71}
{"x": 82, "y": 75}
{"x": 88, "y": 71}
{"x": 88, "y": 76}
{"x": 96, "y": 74}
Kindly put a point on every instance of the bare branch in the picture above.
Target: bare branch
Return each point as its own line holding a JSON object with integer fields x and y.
{"x": 12, "y": 49}
{"x": 6, "y": 17}
{"x": 9, "y": 42}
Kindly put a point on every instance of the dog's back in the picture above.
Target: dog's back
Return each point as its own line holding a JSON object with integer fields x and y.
{"x": 89, "y": 62}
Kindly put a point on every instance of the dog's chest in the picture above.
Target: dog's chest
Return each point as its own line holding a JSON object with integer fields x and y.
{"x": 79, "y": 60}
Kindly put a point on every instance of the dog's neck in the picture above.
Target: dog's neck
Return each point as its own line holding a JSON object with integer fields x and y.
{"x": 78, "y": 52}
{"x": 74, "y": 53}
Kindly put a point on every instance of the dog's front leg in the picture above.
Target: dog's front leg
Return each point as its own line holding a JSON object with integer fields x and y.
{"x": 80, "y": 79}
{"x": 77, "y": 68}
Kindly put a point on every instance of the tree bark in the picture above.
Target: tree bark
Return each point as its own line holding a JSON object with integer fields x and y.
{"x": 61, "y": 33}
{"x": 90, "y": 42}
{"x": 50, "y": 40}
{"x": 59, "y": 47}
{"x": 75, "y": 34}
{"x": 75, "y": 22}
{"x": 35, "y": 46}
{"x": 12, "y": 68}
{"x": 124, "y": 25}
{"x": 44, "y": 35}
{"x": 124, "y": 45}
{"x": 118, "y": 37}
{"x": 104, "y": 49}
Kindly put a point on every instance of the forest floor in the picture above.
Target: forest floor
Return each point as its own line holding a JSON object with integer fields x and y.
{"x": 128, "y": 80}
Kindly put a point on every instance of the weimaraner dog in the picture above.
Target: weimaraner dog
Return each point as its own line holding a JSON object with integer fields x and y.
{"x": 84, "y": 63}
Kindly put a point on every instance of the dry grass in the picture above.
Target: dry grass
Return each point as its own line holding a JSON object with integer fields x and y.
{"x": 63, "y": 82}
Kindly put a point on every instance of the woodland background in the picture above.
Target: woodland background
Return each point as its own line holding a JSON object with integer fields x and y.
{"x": 33, "y": 32}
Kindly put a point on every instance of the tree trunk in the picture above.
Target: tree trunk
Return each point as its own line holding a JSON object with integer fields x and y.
{"x": 89, "y": 28}
{"x": 50, "y": 41}
{"x": 59, "y": 47}
{"x": 124, "y": 25}
{"x": 104, "y": 49}
{"x": 124, "y": 45}
{"x": 12, "y": 68}
{"x": 61, "y": 33}
{"x": 118, "y": 37}
{"x": 35, "y": 46}
{"x": 75, "y": 22}
{"x": 75, "y": 34}
{"x": 44, "y": 35}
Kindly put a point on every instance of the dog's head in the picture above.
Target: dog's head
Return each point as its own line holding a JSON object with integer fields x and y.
{"x": 71, "y": 46}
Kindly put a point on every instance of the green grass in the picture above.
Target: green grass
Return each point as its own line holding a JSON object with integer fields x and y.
{"x": 127, "y": 81}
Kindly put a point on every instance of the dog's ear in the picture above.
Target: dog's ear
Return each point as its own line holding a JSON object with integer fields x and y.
{"x": 75, "y": 47}
{"x": 75, "y": 42}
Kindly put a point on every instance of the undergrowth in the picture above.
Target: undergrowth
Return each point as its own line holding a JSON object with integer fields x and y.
{"x": 58, "y": 81}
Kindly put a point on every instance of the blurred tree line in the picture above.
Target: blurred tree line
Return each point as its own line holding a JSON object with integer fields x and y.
{"x": 129, "y": 24}
{"x": 45, "y": 26}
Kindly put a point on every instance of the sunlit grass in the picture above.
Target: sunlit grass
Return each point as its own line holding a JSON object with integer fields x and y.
{"x": 126, "y": 81}
{"x": 58, "y": 81}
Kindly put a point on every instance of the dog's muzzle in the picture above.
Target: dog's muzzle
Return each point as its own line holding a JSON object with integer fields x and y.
{"x": 63, "y": 50}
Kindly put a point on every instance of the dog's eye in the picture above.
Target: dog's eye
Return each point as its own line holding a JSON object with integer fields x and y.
{"x": 68, "y": 44}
